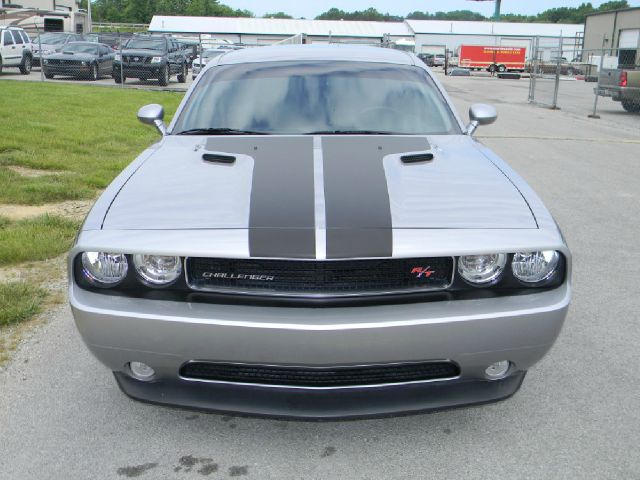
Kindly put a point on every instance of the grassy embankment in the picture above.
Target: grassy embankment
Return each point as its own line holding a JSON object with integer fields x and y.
{"x": 58, "y": 143}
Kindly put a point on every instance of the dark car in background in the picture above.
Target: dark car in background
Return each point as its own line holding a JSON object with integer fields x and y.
{"x": 50, "y": 43}
{"x": 427, "y": 58}
{"x": 113, "y": 39}
{"x": 150, "y": 56}
{"x": 190, "y": 48}
{"x": 86, "y": 60}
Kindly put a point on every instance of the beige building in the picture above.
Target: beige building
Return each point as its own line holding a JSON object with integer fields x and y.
{"x": 617, "y": 32}
{"x": 44, "y": 15}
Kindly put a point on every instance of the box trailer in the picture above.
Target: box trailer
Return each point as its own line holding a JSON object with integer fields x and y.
{"x": 492, "y": 58}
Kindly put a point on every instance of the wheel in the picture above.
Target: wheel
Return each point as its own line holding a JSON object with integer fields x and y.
{"x": 94, "y": 73}
{"x": 164, "y": 76}
{"x": 25, "y": 67}
{"x": 502, "y": 68}
{"x": 492, "y": 68}
{"x": 182, "y": 77}
{"x": 48, "y": 75}
{"x": 118, "y": 78}
{"x": 631, "y": 105}
{"x": 0, "y": 64}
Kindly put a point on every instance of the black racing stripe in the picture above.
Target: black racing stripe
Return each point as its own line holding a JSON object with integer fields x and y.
{"x": 281, "y": 217}
{"x": 358, "y": 214}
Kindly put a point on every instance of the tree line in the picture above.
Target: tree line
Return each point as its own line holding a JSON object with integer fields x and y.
{"x": 141, "y": 11}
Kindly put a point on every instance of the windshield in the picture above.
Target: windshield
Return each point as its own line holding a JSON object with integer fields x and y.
{"x": 52, "y": 39}
{"x": 146, "y": 44}
{"x": 80, "y": 48}
{"x": 298, "y": 98}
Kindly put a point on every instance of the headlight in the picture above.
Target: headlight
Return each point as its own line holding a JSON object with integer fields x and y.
{"x": 156, "y": 59}
{"x": 104, "y": 269}
{"x": 534, "y": 267}
{"x": 85, "y": 63}
{"x": 45, "y": 61}
{"x": 157, "y": 270}
{"x": 48, "y": 52}
{"x": 118, "y": 57}
{"x": 480, "y": 270}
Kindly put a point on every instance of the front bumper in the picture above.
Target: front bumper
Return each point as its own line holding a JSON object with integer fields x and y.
{"x": 471, "y": 333}
{"x": 143, "y": 70}
{"x": 68, "y": 71}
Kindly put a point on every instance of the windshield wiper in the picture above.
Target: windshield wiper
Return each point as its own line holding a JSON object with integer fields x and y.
{"x": 351, "y": 132}
{"x": 219, "y": 131}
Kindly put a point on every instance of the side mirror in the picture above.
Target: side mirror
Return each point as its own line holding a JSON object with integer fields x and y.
{"x": 480, "y": 114}
{"x": 152, "y": 115}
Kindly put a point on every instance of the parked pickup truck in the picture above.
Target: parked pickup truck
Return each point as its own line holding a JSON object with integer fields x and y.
{"x": 622, "y": 85}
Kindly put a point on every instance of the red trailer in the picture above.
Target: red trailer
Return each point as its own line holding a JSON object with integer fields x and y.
{"x": 499, "y": 59}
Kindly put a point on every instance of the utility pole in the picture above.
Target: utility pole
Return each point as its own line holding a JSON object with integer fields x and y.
{"x": 496, "y": 12}
{"x": 89, "y": 16}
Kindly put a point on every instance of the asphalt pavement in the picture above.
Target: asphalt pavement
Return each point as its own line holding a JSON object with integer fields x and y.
{"x": 577, "y": 414}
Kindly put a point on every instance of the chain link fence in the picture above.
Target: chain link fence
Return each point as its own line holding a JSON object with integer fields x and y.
{"x": 584, "y": 82}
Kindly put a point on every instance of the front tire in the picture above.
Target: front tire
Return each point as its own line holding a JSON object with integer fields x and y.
{"x": 93, "y": 76}
{"x": 182, "y": 77}
{"x": 164, "y": 76}
{"x": 25, "y": 66}
{"x": 48, "y": 75}
{"x": 502, "y": 68}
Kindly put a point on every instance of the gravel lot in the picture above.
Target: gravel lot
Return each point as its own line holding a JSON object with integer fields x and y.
{"x": 576, "y": 416}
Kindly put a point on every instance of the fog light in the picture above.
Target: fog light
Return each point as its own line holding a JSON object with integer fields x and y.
{"x": 141, "y": 371}
{"x": 497, "y": 370}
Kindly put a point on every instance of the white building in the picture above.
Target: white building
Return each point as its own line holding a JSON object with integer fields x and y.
{"x": 265, "y": 31}
{"x": 427, "y": 35}
{"x": 436, "y": 35}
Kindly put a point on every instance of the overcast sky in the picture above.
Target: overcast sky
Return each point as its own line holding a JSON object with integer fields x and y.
{"x": 312, "y": 8}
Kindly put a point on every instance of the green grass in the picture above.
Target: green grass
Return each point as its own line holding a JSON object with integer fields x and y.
{"x": 19, "y": 301}
{"x": 35, "y": 238}
{"x": 87, "y": 133}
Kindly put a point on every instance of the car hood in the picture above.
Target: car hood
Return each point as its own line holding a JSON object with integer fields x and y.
{"x": 298, "y": 183}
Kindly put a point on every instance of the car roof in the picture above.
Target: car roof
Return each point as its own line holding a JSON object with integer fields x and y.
{"x": 352, "y": 53}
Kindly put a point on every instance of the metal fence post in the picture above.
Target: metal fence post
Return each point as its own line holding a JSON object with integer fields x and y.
{"x": 554, "y": 105}
{"x": 121, "y": 64}
{"x": 40, "y": 51}
{"x": 594, "y": 114}
{"x": 533, "y": 67}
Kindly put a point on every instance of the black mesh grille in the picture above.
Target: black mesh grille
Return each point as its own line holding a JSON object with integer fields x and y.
{"x": 54, "y": 61}
{"x": 320, "y": 377}
{"x": 135, "y": 59}
{"x": 319, "y": 278}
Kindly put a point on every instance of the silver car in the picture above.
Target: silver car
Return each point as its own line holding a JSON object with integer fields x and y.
{"x": 318, "y": 235}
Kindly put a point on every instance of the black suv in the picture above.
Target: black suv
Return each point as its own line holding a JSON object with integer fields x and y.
{"x": 150, "y": 56}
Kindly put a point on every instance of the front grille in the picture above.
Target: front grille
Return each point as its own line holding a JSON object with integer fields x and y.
{"x": 64, "y": 62}
{"x": 310, "y": 377}
{"x": 136, "y": 59}
{"x": 319, "y": 278}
